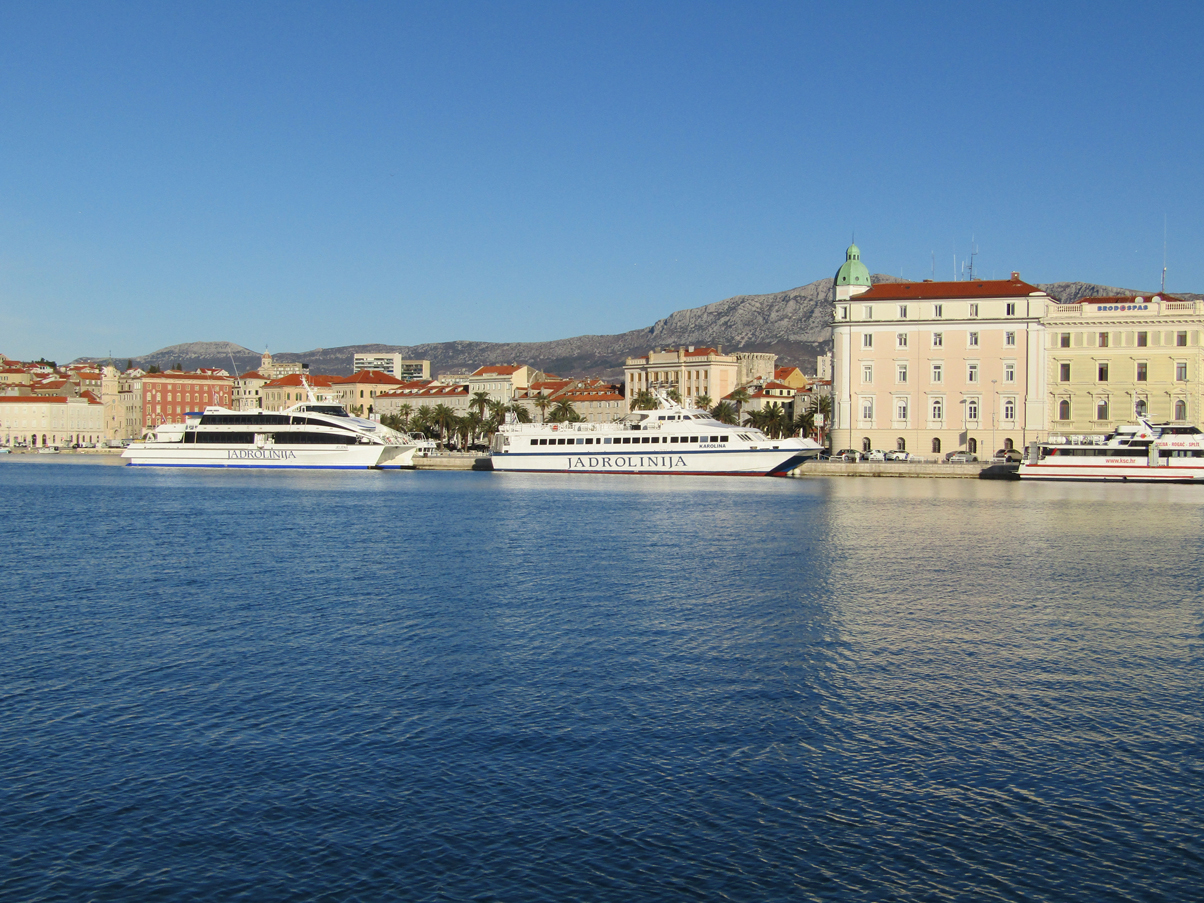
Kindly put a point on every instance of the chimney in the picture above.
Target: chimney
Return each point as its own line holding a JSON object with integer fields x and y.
{"x": 1015, "y": 275}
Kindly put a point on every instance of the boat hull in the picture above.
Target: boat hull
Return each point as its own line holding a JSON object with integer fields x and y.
{"x": 1119, "y": 473}
{"x": 734, "y": 462}
{"x": 335, "y": 457}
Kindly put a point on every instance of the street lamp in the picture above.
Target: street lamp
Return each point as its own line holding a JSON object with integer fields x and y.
{"x": 994, "y": 413}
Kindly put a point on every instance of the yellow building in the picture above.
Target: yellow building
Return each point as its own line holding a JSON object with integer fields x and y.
{"x": 1113, "y": 359}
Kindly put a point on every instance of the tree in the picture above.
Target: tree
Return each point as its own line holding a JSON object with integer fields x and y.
{"x": 443, "y": 418}
{"x": 403, "y": 414}
{"x": 804, "y": 423}
{"x": 153, "y": 368}
{"x": 725, "y": 412}
{"x": 564, "y": 412}
{"x": 739, "y": 398}
{"x": 543, "y": 403}
{"x": 674, "y": 396}
{"x": 480, "y": 401}
{"x": 423, "y": 421}
{"x": 644, "y": 401}
{"x": 520, "y": 412}
{"x": 129, "y": 364}
{"x": 178, "y": 367}
{"x": 704, "y": 401}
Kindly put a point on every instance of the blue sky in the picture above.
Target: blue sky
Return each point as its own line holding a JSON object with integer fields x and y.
{"x": 300, "y": 175}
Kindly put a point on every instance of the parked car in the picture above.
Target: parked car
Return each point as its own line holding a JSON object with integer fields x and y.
{"x": 961, "y": 457}
{"x": 899, "y": 456}
{"x": 848, "y": 455}
{"x": 876, "y": 455}
{"x": 1007, "y": 456}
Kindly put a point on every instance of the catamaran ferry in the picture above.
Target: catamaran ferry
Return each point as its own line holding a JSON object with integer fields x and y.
{"x": 671, "y": 439}
{"x": 312, "y": 434}
{"x": 1146, "y": 452}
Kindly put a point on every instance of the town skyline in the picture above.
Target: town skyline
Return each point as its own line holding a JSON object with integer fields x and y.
{"x": 540, "y": 172}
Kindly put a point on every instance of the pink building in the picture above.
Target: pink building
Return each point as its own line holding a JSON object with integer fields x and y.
{"x": 933, "y": 367}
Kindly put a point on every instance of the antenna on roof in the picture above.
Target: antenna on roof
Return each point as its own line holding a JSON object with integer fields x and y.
{"x": 934, "y": 266}
{"x": 1164, "y": 253}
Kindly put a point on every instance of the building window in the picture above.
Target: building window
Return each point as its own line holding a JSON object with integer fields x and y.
{"x": 1011, "y": 309}
{"x": 974, "y": 310}
{"x": 1064, "y": 409}
{"x": 938, "y": 409}
{"x": 1139, "y": 407}
{"x": 972, "y": 409}
{"x": 1142, "y": 371}
{"x": 1103, "y": 340}
{"x": 867, "y": 340}
{"x": 972, "y": 373}
{"x": 1180, "y": 409}
{"x": 1064, "y": 372}
{"x": 1064, "y": 340}
{"x": 974, "y": 340}
{"x": 1143, "y": 339}
{"x": 1009, "y": 338}
{"x": 1101, "y": 409}
{"x": 902, "y": 311}
{"x": 936, "y": 446}
{"x": 901, "y": 340}
{"x": 867, "y": 373}
{"x": 900, "y": 444}
{"x": 844, "y": 311}
{"x": 867, "y": 409}
{"x": 1180, "y": 371}
{"x": 1181, "y": 339}
{"x": 901, "y": 373}
{"x": 1102, "y": 372}
{"x": 938, "y": 373}
{"x": 1009, "y": 409}
{"x": 865, "y": 444}
{"x": 938, "y": 339}
{"x": 972, "y": 446}
{"x": 1009, "y": 373}
{"x": 938, "y": 311}
{"x": 869, "y": 312}
{"x": 900, "y": 408}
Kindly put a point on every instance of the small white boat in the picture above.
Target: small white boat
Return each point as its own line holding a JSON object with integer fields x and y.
{"x": 1145, "y": 452}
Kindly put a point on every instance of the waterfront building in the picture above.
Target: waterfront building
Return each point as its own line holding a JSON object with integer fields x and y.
{"x": 51, "y": 420}
{"x": 393, "y": 364}
{"x": 1114, "y": 359}
{"x": 595, "y": 400}
{"x": 502, "y": 382}
{"x": 273, "y": 369}
{"x": 424, "y": 393}
{"x": 169, "y": 397}
{"x": 248, "y": 391}
{"x": 357, "y": 392}
{"x": 289, "y": 390}
{"x": 692, "y": 371}
{"x": 932, "y": 367}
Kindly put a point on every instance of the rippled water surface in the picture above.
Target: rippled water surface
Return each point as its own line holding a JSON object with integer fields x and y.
{"x": 473, "y": 686}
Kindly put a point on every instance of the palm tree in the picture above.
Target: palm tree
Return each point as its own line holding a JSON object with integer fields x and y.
{"x": 543, "y": 403}
{"x": 422, "y": 422}
{"x": 725, "y": 412}
{"x": 403, "y": 412}
{"x": 443, "y": 417}
{"x": 704, "y": 402}
{"x": 644, "y": 401}
{"x": 472, "y": 424}
{"x": 497, "y": 416}
{"x": 739, "y": 398}
{"x": 804, "y": 423}
{"x": 480, "y": 401}
{"x": 520, "y": 412}
{"x": 564, "y": 412}
{"x": 674, "y": 396}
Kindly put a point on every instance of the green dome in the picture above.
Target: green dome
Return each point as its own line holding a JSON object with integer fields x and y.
{"x": 853, "y": 271}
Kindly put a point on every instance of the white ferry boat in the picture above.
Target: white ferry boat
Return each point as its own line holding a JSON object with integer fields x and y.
{"x": 1145, "y": 452}
{"x": 670, "y": 439}
{"x": 312, "y": 434}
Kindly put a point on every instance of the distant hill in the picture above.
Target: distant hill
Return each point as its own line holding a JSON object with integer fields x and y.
{"x": 792, "y": 324}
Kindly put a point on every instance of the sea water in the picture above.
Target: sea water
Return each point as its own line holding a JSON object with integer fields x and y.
{"x": 470, "y": 686}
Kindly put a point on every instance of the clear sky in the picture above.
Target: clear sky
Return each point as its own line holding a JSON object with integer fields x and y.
{"x": 298, "y": 175}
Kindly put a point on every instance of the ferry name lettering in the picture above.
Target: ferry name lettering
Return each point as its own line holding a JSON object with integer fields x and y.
{"x": 606, "y": 462}
{"x": 260, "y": 454}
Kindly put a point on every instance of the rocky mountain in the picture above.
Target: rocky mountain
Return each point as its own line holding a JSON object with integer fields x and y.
{"x": 792, "y": 324}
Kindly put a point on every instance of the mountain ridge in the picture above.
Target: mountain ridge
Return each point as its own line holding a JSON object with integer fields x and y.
{"x": 794, "y": 324}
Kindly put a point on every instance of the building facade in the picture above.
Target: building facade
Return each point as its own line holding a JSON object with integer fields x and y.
{"x": 39, "y": 421}
{"x": 1114, "y": 359}
{"x": 692, "y": 371}
{"x": 933, "y": 367}
{"x": 393, "y": 364}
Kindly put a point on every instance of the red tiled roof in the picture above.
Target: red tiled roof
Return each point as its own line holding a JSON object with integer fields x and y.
{"x": 184, "y": 377}
{"x": 369, "y": 377}
{"x": 497, "y": 370}
{"x": 916, "y": 291}
{"x": 294, "y": 379}
{"x": 252, "y": 374}
{"x": 31, "y": 399}
{"x": 1126, "y": 299}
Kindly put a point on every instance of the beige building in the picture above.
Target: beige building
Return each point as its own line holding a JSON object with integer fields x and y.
{"x": 357, "y": 392}
{"x": 51, "y": 420}
{"x": 503, "y": 382}
{"x": 693, "y": 371}
{"x": 1114, "y": 359}
{"x": 933, "y": 367}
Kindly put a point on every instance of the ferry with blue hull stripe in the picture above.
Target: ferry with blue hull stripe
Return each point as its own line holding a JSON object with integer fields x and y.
{"x": 670, "y": 439}
{"x": 1144, "y": 453}
{"x": 313, "y": 435}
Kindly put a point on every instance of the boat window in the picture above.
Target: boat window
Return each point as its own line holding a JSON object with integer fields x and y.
{"x": 656, "y": 439}
{"x": 607, "y": 440}
{"x": 589, "y": 441}
{"x": 580, "y": 441}
{"x": 226, "y": 438}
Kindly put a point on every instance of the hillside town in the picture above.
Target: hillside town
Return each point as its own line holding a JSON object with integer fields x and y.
{"x": 924, "y": 368}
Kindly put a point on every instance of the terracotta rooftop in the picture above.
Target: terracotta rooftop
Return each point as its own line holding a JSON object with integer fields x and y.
{"x": 370, "y": 377}
{"x": 942, "y": 291}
